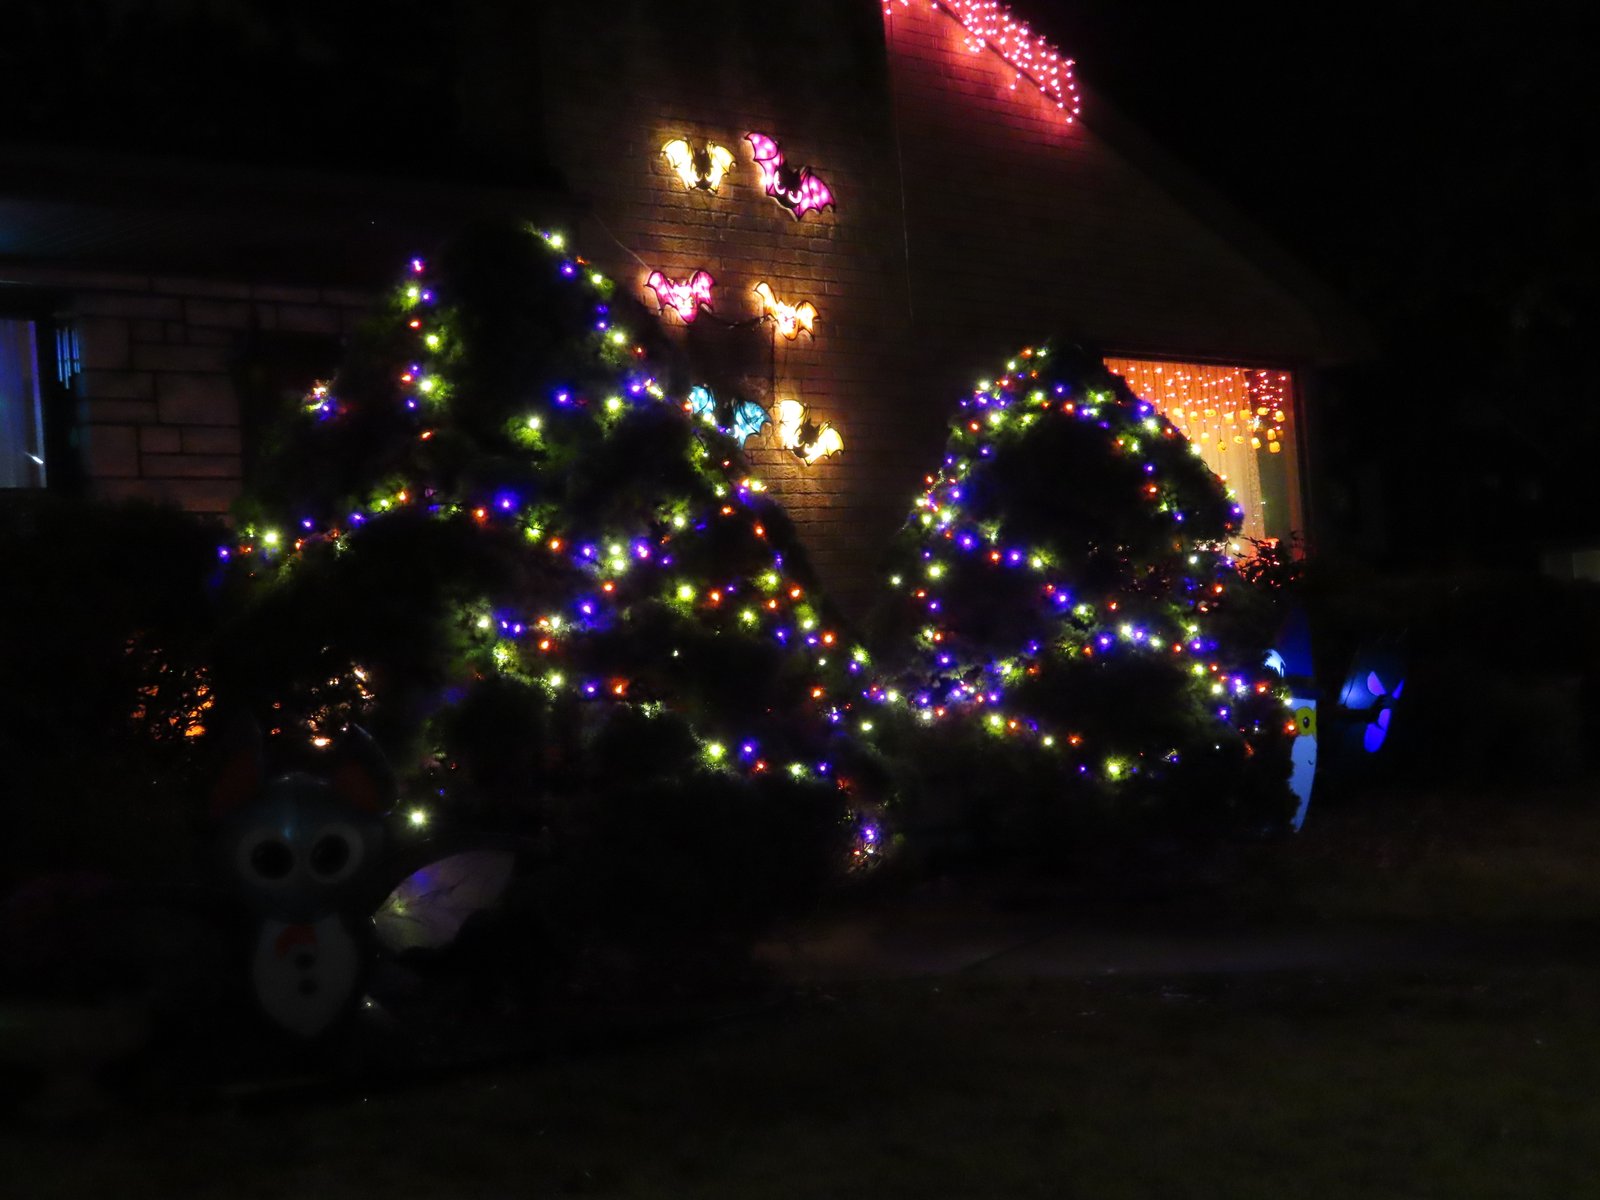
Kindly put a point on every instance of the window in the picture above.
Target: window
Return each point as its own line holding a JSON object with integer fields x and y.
{"x": 22, "y": 451}
{"x": 1242, "y": 419}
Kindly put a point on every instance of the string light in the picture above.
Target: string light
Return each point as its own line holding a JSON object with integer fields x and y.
{"x": 621, "y": 568}
{"x": 1236, "y": 417}
{"x": 957, "y": 552}
{"x": 992, "y": 26}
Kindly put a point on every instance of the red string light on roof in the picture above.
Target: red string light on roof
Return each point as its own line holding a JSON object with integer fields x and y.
{"x": 991, "y": 25}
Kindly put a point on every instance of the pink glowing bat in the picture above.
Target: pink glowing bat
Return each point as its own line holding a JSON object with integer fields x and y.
{"x": 796, "y": 188}
{"x": 684, "y": 298}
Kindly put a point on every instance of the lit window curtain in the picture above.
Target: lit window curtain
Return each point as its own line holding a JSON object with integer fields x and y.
{"x": 21, "y": 431}
{"x": 1234, "y": 414}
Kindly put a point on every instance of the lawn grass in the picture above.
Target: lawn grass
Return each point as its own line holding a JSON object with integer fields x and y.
{"x": 1237, "y": 1087}
{"x": 1471, "y": 1081}
{"x": 1480, "y": 857}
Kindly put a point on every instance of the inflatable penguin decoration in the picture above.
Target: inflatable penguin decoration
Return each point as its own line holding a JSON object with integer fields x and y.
{"x": 1292, "y": 660}
{"x": 304, "y": 855}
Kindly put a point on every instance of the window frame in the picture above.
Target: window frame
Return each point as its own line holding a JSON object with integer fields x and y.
{"x": 58, "y": 384}
{"x": 1297, "y": 463}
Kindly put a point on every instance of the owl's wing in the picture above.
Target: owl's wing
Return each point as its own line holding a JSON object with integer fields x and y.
{"x": 429, "y": 907}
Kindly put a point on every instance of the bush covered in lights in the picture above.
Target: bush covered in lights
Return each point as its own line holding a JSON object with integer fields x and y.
{"x": 505, "y": 542}
{"x": 1078, "y": 657}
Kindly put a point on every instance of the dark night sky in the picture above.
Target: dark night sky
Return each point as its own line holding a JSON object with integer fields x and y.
{"x": 1451, "y": 135}
{"x": 1438, "y": 165}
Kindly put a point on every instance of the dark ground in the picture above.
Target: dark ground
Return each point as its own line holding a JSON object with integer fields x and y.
{"x": 1400, "y": 1003}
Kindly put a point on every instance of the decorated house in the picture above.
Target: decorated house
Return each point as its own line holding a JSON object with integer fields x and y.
{"x": 847, "y": 213}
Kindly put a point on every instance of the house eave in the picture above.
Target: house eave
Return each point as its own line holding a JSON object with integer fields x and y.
{"x": 1349, "y": 338}
{"x": 104, "y": 210}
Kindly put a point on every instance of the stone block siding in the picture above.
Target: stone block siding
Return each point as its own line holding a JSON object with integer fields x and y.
{"x": 1020, "y": 225}
{"x": 159, "y": 407}
{"x": 847, "y": 261}
{"x": 971, "y": 220}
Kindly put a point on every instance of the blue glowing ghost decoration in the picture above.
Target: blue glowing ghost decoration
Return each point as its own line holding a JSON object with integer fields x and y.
{"x": 701, "y": 402}
{"x": 748, "y": 419}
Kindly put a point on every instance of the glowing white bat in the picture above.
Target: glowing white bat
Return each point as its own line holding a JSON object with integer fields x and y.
{"x": 702, "y": 169}
{"x": 789, "y": 318}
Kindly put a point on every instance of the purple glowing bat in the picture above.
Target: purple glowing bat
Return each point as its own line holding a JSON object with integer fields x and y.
{"x": 796, "y": 188}
{"x": 684, "y": 298}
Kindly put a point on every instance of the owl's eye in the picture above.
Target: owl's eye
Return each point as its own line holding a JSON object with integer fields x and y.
{"x": 336, "y": 852}
{"x": 271, "y": 859}
{"x": 329, "y": 855}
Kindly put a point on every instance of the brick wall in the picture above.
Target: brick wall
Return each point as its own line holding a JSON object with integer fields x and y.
{"x": 1021, "y": 225}
{"x": 623, "y": 82}
{"x": 971, "y": 219}
{"x": 167, "y": 364}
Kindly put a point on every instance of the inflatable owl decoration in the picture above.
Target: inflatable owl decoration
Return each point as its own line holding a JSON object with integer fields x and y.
{"x": 304, "y": 854}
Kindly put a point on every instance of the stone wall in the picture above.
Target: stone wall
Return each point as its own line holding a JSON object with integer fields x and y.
{"x": 174, "y": 371}
{"x": 971, "y": 219}
{"x": 623, "y": 81}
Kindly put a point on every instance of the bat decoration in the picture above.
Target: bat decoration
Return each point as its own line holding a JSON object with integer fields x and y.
{"x": 796, "y": 188}
{"x": 700, "y": 170}
{"x": 701, "y": 402}
{"x": 791, "y": 319}
{"x": 683, "y": 298}
{"x": 748, "y": 419}
{"x": 798, "y": 433}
